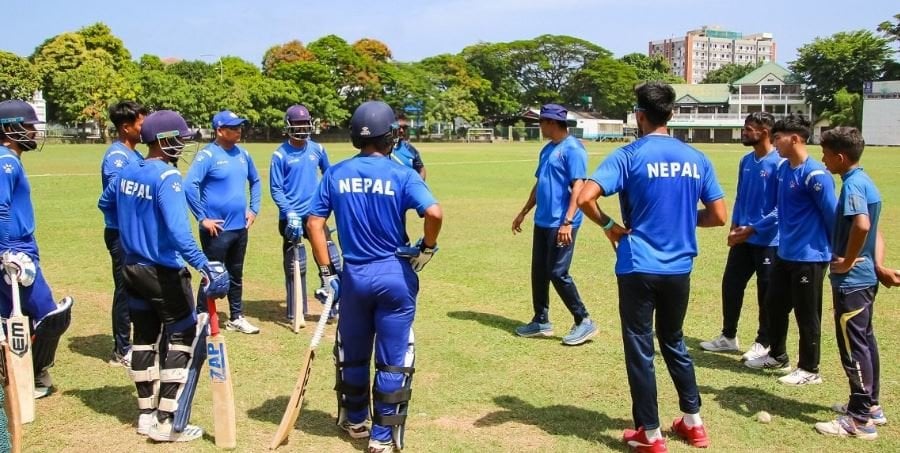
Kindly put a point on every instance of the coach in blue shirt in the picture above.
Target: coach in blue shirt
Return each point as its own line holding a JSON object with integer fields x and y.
{"x": 561, "y": 170}
{"x": 404, "y": 152}
{"x": 659, "y": 180}
{"x": 217, "y": 195}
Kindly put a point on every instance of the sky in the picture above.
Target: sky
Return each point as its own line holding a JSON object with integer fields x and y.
{"x": 207, "y": 30}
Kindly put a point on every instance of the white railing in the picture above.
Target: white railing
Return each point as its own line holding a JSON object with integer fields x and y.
{"x": 770, "y": 98}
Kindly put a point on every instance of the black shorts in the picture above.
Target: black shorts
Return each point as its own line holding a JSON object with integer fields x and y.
{"x": 166, "y": 290}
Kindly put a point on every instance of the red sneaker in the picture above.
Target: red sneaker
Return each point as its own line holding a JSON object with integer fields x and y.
{"x": 695, "y": 436}
{"x": 637, "y": 440}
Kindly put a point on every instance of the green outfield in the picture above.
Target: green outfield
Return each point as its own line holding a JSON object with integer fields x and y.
{"x": 477, "y": 386}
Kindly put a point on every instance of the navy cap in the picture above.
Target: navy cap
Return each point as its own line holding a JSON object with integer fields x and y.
{"x": 16, "y": 111}
{"x": 164, "y": 124}
{"x": 297, "y": 112}
{"x": 226, "y": 118}
{"x": 554, "y": 112}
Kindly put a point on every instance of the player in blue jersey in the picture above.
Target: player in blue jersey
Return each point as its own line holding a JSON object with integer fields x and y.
{"x": 753, "y": 238}
{"x": 369, "y": 195}
{"x": 18, "y": 246}
{"x": 293, "y": 178}
{"x": 561, "y": 170}
{"x": 854, "y": 284}
{"x": 806, "y": 197}
{"x": 660, "y": 181}
{"x": 404, "y": 152}
{"x": 216, "y": 189}
{"x": 127, "y": 117}
{"x": 147, "y": 200}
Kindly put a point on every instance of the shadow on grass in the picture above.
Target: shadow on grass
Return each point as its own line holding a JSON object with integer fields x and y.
{"x": 488, "y": 319}
{"x": 720, "y": 360}
{"x": 274, "y": 311}
{"x": 118, "y": 401}
{"x": 747, "y": 401}
{"x": 557, "y": 420}
{"x": 99, "y": 346}
{"x": 309, "y": 423}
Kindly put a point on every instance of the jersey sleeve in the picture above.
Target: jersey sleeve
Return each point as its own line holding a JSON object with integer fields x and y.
{"x": 324, "y": 164}
{"x": 255, "y": 184}
{"x": 276, "y": 182}
{"x": 820, "y": 186}
{"x": 711, "y": 190}
{"x": 10, "y": 170}
{"x": 769, "y": 221}
{"x": 417, "y": 196}
{"x": 576, "y": 163}
{"x": 417, "y": 163}
{"x": 612, "y": 172}
{"x": 113, "y": 162}
{"x": 737, "y": 208}
{"x": 107, "y": 202}
{"x": 321, "y": 201}
{"x": 855, "y": 201}
{"x": 193, "y": 183}
{"x": 171, "y": 203}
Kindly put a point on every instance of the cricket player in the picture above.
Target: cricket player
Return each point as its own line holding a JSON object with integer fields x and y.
{"x": 404, "y": 152}
{"x": 216, "y": 189}
{"x": 369, "y": 195}
{"x": 49, "y": 320}
{"x": 660, "y": 182}
{"x": 147, "y": 200}
{"x": 753, "y": 237}
{"x": 293, "y": 178}
{"x": 127, "y": 117}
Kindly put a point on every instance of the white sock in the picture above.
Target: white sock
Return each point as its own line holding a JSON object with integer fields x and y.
{"x": 653, "y": 434}
{"x": 692, "y": 420}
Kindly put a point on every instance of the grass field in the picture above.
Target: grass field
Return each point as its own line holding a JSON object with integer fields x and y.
{"x": 477, "y": 386}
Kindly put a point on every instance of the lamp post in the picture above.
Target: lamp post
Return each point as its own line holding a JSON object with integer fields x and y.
{"x": 221, "y": 68}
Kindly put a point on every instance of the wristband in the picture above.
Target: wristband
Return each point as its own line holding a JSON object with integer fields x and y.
{"x": 609, "y": 224}
{"x": 327, "y": 270}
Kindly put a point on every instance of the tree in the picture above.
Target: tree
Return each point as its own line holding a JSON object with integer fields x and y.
{"x": 610, "y": 83}
{"x": 373, "y": 49}
{"x": 890, "y": 30}
{"x": 502, "y": 98}
{"x": 847, "y": 109}
{"x": 651, "y": 68}
{"x": 314, "y": 84}
{"x": 18, "y": 77}
{"x": 288, "y": 52}
{"x": 84, "y": 93}
{"x": 730, "y": 72}
{"x": 844, "y": 60}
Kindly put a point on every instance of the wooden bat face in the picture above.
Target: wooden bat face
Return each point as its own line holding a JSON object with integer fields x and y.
{"x": 19, "y": 340}
{"x": 217, "y": 360}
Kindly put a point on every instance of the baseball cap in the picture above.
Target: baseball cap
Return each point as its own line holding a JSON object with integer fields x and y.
{"x": 297, "y": 112}
{"x": 162, "y": 123}
{"x": 226, "y": 118}
{"x": 554, "y": 112}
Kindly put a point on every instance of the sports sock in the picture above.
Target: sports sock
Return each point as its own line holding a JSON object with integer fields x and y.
{"x": 692, "y": 420}
{"x": 653, "y": 434}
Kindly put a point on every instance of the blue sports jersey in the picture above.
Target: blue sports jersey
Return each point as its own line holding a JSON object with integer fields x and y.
{"x": 755, "y": 204}
{"x": 407, "y": 154}
{"x": 806, "y": 206}
{"x": 117, "y": 156}
{"x": 859, "y": 196}
{"x": 659, "y": 180}
{"x": 149, "y": 202}
{"x": 293, "y": 176}
{"x": 16, "y": 211}
{"x": 369, "y": 196}
{"x": 215, "y": 185}
{"x": 559, "y": 165}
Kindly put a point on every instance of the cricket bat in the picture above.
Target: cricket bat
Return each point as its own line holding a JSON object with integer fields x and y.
{"x": 20, "y": 363}
{"x": 299, "y": 292}
{"x": 294, "y": 404}
{"x": 222, "y": 387}
{"x": 13, "y": 412}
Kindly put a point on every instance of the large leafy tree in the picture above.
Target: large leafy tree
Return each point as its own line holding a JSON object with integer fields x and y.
{"x": 847, "y": 110}
{"x": 610, "y": 83}
{"x": 730, "y": 72}
{"x": 845, "y": 59}
{"x": 288, "y": 52}
{"x": 502, "y": 99}
{"x": 315, "y": 87}
{"x": 651, "y": 68}
{"x": 18, "y": 77}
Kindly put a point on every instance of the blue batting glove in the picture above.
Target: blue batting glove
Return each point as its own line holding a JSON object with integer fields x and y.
{"x": 215, "y": 280}
{"x": 331, "y": 284}
{"x": 293, "y": 231}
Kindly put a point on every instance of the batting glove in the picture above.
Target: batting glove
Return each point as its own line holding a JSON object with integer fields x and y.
{"x": 331, "y": 284}
{"x": 215, "y": 280}
{"x": 20, "y": 265}
{"x": 293, "y": 231}
{"x": 424, "y": 256}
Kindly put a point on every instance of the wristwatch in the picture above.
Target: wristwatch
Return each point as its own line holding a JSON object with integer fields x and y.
{"x": 567, "y": 222}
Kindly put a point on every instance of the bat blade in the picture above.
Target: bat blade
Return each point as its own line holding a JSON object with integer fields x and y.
{"x": 292, "y": 412}
{"x": 12, "y": 407}
{"x": 222, "y": 392}
{"x": 298, "y": 293}
{"x": 20, "y": 362}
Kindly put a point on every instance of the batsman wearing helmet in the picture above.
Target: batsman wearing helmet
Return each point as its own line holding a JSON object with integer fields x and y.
{"x": 369, "y": 195}
{"x": 19, "y": 247}
{"x": 148, "y": 203}
{"x": 293, "y": 178}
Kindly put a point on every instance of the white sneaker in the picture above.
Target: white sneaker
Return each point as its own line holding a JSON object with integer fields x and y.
{"x": 144, "y": 421}
{"x": 242, "y": 325}
{"x": 800, "y": 377}
{"x": 721, "y": 344}
{"x": 377, "y": 446}
{"x": 356, "y": 430}
{"x": 876, "y": 414}
{"x": 756, "y": 351}
{"x": 43, "y": 385}
{"x": 768, "y": 362}
{"x": 165, "y": 432}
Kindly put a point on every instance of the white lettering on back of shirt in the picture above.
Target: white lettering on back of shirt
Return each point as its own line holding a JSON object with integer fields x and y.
{"x": 672, "y": 170}
{"x": 365, "y": 185}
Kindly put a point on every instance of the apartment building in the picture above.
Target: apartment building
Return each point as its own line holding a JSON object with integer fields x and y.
{"x": 698, "y": 52}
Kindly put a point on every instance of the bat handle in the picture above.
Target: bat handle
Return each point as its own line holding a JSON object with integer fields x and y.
{"x": 323, "y": 320}
{"x": 213, "y": 316}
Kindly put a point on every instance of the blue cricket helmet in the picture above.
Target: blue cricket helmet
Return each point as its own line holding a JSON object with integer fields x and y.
{"x": 372, "y": 119}
{"x": 14, "y": 116}
{"x": 169, "y": 128}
